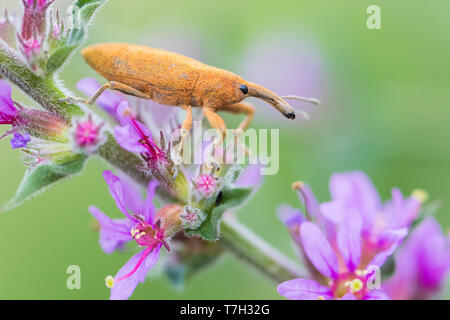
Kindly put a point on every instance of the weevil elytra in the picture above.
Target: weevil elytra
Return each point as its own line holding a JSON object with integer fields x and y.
{"x": 176, "y": 80}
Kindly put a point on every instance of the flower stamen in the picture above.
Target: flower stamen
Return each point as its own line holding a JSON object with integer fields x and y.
{"x": 355, "y": 285}
{"x": 109, "y": 281}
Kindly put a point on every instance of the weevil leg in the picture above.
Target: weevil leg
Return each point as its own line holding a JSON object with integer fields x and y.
{"x": 185, "y": 128}
{"x": 239, "y": 108}
{"x": 217, "y": 123}
{"x": 112, "y": 85}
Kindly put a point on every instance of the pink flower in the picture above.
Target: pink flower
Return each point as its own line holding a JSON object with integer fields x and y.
{"x": 422, "y": 264}
{"x": 87, "y": 134}
{"x": 135, "y": 137}
{"x": 340, "y": 275}
{"x": 206, "y": 183}
{"x": 384, "y": 225}
{"x": 343, "y": 241}
{"x": 143, "y": 224}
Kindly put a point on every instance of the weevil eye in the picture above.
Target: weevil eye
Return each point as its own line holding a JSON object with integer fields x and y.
{"x": 243, "y": 88}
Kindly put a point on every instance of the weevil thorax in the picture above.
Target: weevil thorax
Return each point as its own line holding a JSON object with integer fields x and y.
{"x": 217, "y": 87}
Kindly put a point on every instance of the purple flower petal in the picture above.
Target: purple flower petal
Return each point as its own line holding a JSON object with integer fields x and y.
{"x": 376, "y": 295}
{"x": 401, "y": 212}
{"x": 349, "y": 240}
{"x": 157, "y": 116}
{"x": 6, "y": 102}
{"x": 20, "y": 140}
{"x": 149, "y": 209}
{"x": 333, "y": 211}
{"x": 304, "y": 289}
{"x": 113, "y": 232}
{"x": 289, "y": 216}
{"x": 309, "y": 200}
{"x": 318, "y": 250}
{"x": 355, "y": 189}
{"x": 124, "y": 113}
{"x": 348, "y": 296}
{"x": 422, "y": 264}
{"x": 128, "y": 139}
{"x": 116, "y": 189}
{"x": 432, "y": 250}
{"x": 132, "y": 196}
{"x": 108, "y": 100}
{"x": 390, "y": 239}
{"x": 123, "y": 289}
{"x": 250, "y": 177}
{"x": 131, "y": 132}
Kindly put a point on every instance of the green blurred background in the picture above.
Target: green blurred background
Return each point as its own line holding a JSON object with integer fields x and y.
{"x": 386, "y": 100}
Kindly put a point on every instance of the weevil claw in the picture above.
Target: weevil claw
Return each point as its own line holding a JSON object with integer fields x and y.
{"x": 238, "y": 132}
{"x": 212, "y": 165}
{"x": 178, "y": 160}
{"x": 71, "y": 100}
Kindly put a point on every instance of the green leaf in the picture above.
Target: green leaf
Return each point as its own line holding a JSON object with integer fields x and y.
{"x": 58, "y": 58}
{"x": 39, "y": 178}
{"x": 209, "y": 230}
{"x": 82, "y": 13}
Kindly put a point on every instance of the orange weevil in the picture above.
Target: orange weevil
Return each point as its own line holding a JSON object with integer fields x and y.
{"x": 175, "y": 80}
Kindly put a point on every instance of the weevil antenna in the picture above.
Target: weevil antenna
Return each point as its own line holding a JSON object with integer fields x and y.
{"x": 304, "y": 99}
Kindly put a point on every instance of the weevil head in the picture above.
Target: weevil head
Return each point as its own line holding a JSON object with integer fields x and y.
{"x": 220, "y": 88}
{"x": 217, "y": 88}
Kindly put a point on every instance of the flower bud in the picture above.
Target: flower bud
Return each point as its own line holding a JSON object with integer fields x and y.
{"x": 44, "y": 125}
{"x": 7, "y": 30}
{"x": 192, "y": 218}
{"x": 168, "y": 219}
{"x": 34, "y": 19}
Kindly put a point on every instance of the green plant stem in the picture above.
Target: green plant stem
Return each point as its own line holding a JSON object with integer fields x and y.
{"x": 127, "y": 162}
{"x": 235, "y": 237}
{"x": 249, "y": 247}
{"x": 43, "y": 90}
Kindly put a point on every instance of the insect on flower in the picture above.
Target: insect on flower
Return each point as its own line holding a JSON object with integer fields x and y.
{"x": 176, "y": 80}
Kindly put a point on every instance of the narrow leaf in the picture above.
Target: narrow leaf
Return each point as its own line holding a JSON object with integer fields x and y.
{"x": 82, "y": 13}
{"x": 209, "y": 230}
{"x": 38, "y": 179}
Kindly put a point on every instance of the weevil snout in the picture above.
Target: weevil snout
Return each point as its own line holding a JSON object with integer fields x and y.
{"x": 257, "y": 91}
{"x": 291, "y": 115}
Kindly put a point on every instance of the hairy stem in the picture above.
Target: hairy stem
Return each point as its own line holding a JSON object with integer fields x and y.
{"x": 127, "y": 162}
{"x": 235, "y": 237}
{"x": 249, "y": 247}
{"x": 41, "y": 89}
